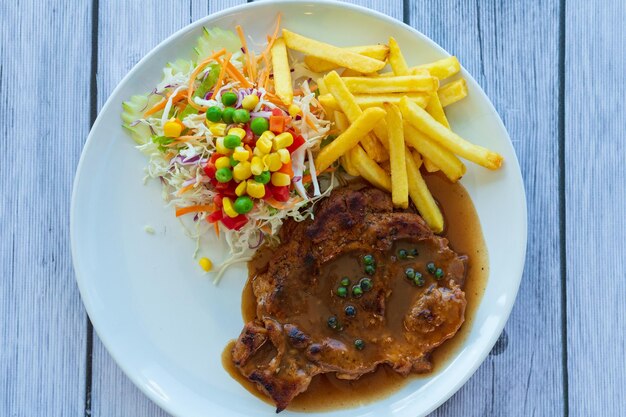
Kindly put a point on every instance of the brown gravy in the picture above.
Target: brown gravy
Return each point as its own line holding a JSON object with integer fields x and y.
{"x": 465, "y": 235}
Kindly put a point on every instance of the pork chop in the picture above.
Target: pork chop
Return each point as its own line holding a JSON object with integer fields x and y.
{"x": 403, "y": 296}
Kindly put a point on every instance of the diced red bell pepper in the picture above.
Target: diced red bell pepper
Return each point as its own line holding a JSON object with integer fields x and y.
{"x": 209, "y": 170}
{"x": 280, "y": 193}
{"x": 217, "y": 215}
{"x": 297, "y": 142}
{"x": 217, "y": 200}
{"x": 277, "y": 112}
{"x": 214, "y": 157}
{"x": 235, "y": 223}
{"x": 249, "y": 138}
{"x": 227, "y": 189}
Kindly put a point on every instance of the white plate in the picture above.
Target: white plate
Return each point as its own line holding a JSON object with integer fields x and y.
{"x": 166, "y": 324}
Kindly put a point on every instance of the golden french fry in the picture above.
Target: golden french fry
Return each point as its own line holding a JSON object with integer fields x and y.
{"x": 282, "y": 72}
{"x": 399, "y": 84}
{"x": 342, "y": 124}
{"x": 442, "y": 68}
{"x": 351, "y": 109}
{"x": 331, "y": 53}
{"x": 395, "y": 132}
{"x": 380, "y": 130}
{"x": 422, "y": 198}
{"x": 424, "y": 122}
{"x": 416, "y": 157}
{"x": 369, "y": 169}
{"x": 348, "y": 139}
{"x": 378, "y": 52}
{"x": 434, "y": 152}
{"x": 351, "y": 73}
{"x": 396, "y": 59}
{"x": 412, "y": 71}
{"x": 376, "y": 100}
{"x": 321, "y": 86}
{"x": 452, "y": 92}
{"x": 435, "y": 109}
{"x": 430, "y": 167}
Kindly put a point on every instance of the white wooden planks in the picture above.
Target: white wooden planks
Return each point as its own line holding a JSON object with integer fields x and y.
{"x": 595, "y": 156}
{"x": 511, "y": 48}
{"x": 44, "y": 113}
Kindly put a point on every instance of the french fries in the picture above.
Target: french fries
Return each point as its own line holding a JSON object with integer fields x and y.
{"x": 282, "y": 72}
{"x": 375, "y": 100}
{"x": 348, "y": 139}
{"x": 421, "y": 196}
{"x": 395, "y": 132}
{"x": 435, "y": 109}
{"x": 424, "y": 122}
{"x": 399, "y": 84}
{"x": 342, "y": 124}
{"x": 330, "y": 53}
{"x": 351, "y": 109}
{"x": 396, "y": 59}
{"x": 442, "y": 68}
{"x": 432, "y": 151}
{"x": 378, "y": 52}
{"x": 369, "y": 169}
{"x": 452, "y": 92}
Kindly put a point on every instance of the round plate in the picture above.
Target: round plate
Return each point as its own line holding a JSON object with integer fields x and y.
{"x": 164, "y": 321}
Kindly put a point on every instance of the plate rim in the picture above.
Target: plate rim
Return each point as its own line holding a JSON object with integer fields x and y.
{"x": 349, "y": 7}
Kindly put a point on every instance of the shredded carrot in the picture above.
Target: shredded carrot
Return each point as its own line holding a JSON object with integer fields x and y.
{"x": 216, "y": 225}
{"x": 307, "y": 178}
{"x": 248, "y": 148}
{"x": 279, "y": 205}
{"x": 194, "y": 74}
{"x": 253, "y": 65}
{"x": 266, "y": 229}
{"x": 287, "y": 169}
{"x": 272, "y": 39}
{"x": 237, "y": 75}
{"x": 244, "y": 44}
{"x": 182, "y": 139}
{"x": 185, "y": 189}
{"x": 161, "y": 104}
{"x": 309, "y": 122}
{"x": 220, "y": 78}
{"x": 194, "y": 209}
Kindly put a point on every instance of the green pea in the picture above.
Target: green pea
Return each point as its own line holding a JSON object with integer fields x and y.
{"x": 410, "y": 273}
{"x": 263, "y": 178}
{"x": 342, "y": 292}
{"x": 345, "y": 281}
{"x": 223, "y": 175}
{"x": 366, "y": 284}
{"x": 243, "y": 204}
{"x": 227, "y": 115}
{"x": 241, "y": 116}
{"x": 229, "y": 98}
{"x": 357, "y": 291}
{"x": 232, "y": 141}
{"x": 369, "y": 260}
{"x": 214, "y": 114}
{"x": 419, "y": 279}
{"x": 370, "y": 269}
{"x": 438, "y": 273}
{"x": 233, "y": 161}
{"x": 258, "y": 125}
{"x": 430, "y": 267}
{"x": 359, "y": 344}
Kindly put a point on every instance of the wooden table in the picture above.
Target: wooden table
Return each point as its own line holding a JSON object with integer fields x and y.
{"x": 554, "y": 71}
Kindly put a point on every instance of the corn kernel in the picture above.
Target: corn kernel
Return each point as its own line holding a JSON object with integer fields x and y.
{"x": 268, "y": 134}
{"x": 222, "y": 162}
{"x": 241, "y": 189}
{"x": 218, "y": 129}
{"x": 249, "y": 102}
{"x": 294, "y": 110}
{"x": 206, "y": 264}
{"x": 285, "y": 157}
{"x": 172, "y": 128}
{"x": 255, "y": 189}
{"x": 242, "y": 171}
{"x": 256, "y": 165}
{"x": 228, "y": 207}
{"x": 237, "y": 131}
{"x": 272, "y": 162}
{"x": 220, "y": 148}
{"x": 283, "y": 140}
{"x": 264, "y": 145}
{"x": 280, "y": 179}
{"x": 241, "y": 154}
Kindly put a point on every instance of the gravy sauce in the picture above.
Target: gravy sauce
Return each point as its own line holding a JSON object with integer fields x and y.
{"x": 326, "y": 392}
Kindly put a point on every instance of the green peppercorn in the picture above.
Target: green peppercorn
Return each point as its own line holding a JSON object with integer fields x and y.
{"x": 357, "y": 291}
{"x": 223, "y": 175}
{"x": 263, "y": 178}
{"x": 410, "y": 273}
{"x": 359, "y": 344}
{"x": 227, "y": 115}
{"x": 345, "y": 281}
{"x": 366, "y": 284}
{"x": 370, "y": 269}
{"x": 241, "y": 116}
{"x": 214, "y": 114}
{"x": 229, "y": 98}
{"x": 403, "y": 254}
{"x": 419, "y": 279}
{"x": 232, "y": 141}
{"x": 258, "y": 125}
{"x": 342, "y": 292}
{"x": 369, "y": 260}
{"x": 243, "y": 204}
{"x": 431, "y": 268}
{"x": 438, "y": 273}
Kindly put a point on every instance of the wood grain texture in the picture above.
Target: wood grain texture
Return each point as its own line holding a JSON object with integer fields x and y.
{"x": 127, "y": 30}
{"x": 595, "y": 153}
{"x": 518, "y": 69}
{"x": 44, "y": 114}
